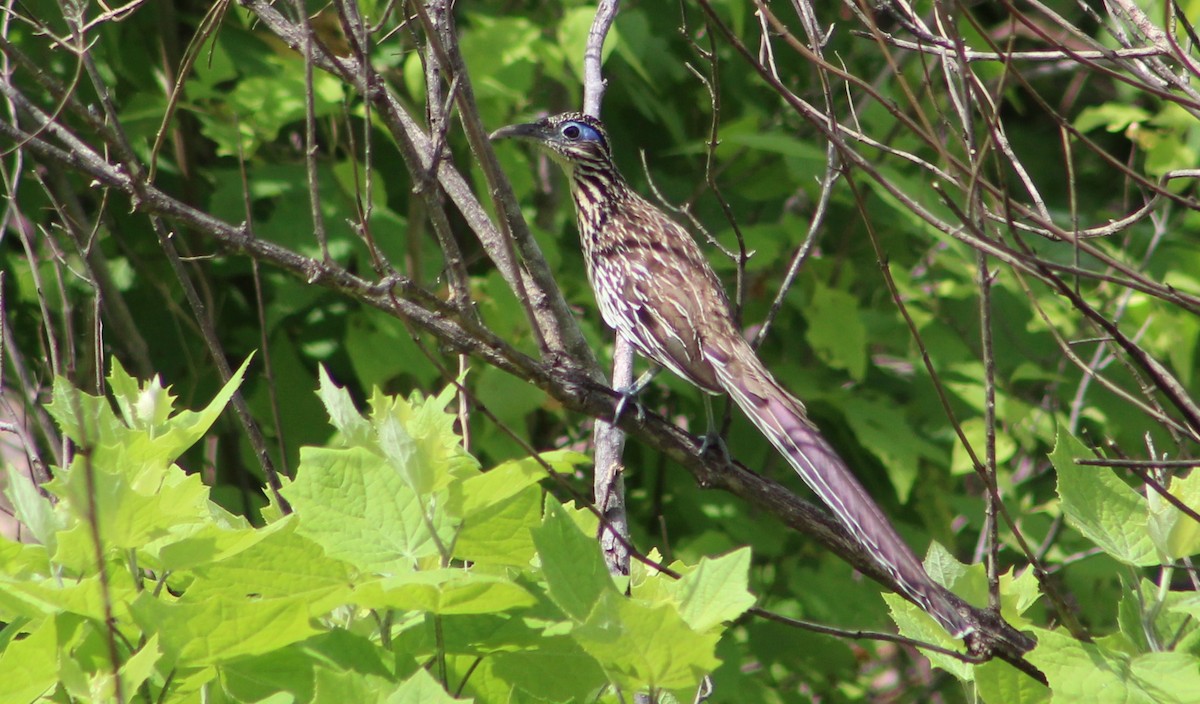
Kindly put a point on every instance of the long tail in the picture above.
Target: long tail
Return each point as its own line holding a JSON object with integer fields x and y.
{"x": 782, "y": 419}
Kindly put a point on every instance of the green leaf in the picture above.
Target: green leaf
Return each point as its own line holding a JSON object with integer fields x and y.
{"x": 509, "y": 398}
{"x": 444, "y": 591}
{"x": 354, "y": 504}
{"x": 291, "y": 668}
{"x": 513, "y": 477}
{"x": 1001, "y": 683}
{"x": 254, "y": 678}
{"x": 29, "y": 666}
{"x": 86, "y": 419}
{"x": 716, "y": 590}
{"x": 355, "y": 430}
{"x": 23, "y": 560}
{"x": 187, "y": 427}
{"x": 777, "y": 143}
{"x": 414, "y": 76}
{"x": 1167, "y": 153}
{"x": 573, "y": 34}
{"x": 836, "y": 332}
{"x": 337, "y": 687}
{"x": 418, "y": 439}
{"x": 631, "y": 37}
{"x": 976, "y": 432}
{"x": 188, "y": 545}
{"x": 883, "y": 428}
{"x": 421, "y": 688}
{"x": 149, "y": 438}
{"x": 1101, "y": 506}
{"x": 1113, "y": 117}
{"x": 143, "y": 406}
{"x": 557, "y": 670}
{"x": 31, "y": 509}
{"x": 130, "y": 511}
{"x": 914, "y": 188}
{"x": 498, "y": 532}
{"x": 259, "y": 105}
{"x": 1148, "y": 613}
{"x": 141, "y": 665}
{"x": 368, "y": 331}
{"x": 1189, "y": 605}
{"x": 501, "y": 506}
{"x": 943, "y": 567}
{"x": 644, "y": 647}
{"x": 280, "y": 189}
{"x": 507, "y": 46}
{"x": 1175, "y": 534}
{"x": 281, "y": 563}
{"x": 1180, "y": 342}
{"x": 401, "y": 451}
{"x": 571, "y": 563}
{"x": 971, "y": 583}
{"x": 278, "y": 698}
{"x": 222, "y": 628}
{"x": 47, "y": 596}
{"x": 1025, "y": 590}
{"x": 1090, "y": 672}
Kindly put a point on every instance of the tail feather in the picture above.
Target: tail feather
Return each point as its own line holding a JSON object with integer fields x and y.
{"x": 782, "y": 419}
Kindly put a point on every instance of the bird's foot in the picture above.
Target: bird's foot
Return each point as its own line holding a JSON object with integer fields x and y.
{"x": 714, "y": 442}
{"x": 629, "y": 397}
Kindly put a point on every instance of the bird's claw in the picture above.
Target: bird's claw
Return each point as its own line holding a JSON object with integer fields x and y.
{"x": 713, "y": 441}
{"x": 629, "y": 396}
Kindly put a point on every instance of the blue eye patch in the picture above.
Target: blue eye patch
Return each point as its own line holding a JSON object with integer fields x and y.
{"x": 579, "y": 132}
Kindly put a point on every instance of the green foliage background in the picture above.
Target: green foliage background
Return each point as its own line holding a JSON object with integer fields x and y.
{"x": 350, "y": 600}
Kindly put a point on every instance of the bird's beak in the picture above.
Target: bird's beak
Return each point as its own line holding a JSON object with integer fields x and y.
{"x": 529, "y": 130}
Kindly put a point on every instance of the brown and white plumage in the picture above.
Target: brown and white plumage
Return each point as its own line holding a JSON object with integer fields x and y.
{"x": 657, "y": 290}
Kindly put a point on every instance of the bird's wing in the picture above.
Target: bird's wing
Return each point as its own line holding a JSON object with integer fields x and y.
{"x": 669, "y": 298}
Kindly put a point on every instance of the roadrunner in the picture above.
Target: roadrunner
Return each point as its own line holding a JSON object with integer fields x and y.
{"x": 656, "y": 289}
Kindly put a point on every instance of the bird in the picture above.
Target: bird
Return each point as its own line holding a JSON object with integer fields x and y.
{"x": 655, "y": 288}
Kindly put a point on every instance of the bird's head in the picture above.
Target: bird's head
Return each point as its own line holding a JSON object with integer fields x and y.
{"x": 571, "y": 138}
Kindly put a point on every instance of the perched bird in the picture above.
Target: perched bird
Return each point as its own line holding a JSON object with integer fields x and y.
{"x": 657, "y": 290}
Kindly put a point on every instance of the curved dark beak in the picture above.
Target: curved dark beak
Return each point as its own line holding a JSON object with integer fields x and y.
{"x": 529, "y": 130}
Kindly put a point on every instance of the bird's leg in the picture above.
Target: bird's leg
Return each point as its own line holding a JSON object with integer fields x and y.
{"x": 712, "y": 434}
{"x": 630, "y": 393}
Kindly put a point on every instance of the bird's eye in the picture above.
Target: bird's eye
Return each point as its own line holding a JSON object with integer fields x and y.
{"x": 571, "y": 131}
